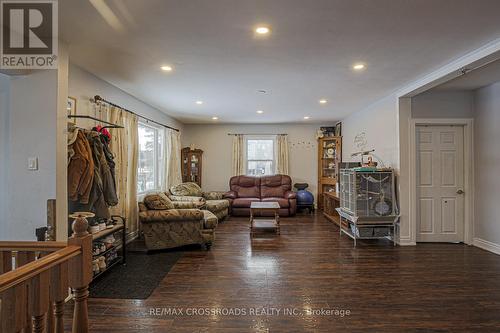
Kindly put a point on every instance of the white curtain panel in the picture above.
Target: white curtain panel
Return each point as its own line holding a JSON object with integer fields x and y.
{"x": 238, "y": 167}
{"x": 282, "y": 154}
{"x": 172, "y": 158}
{"x": 124, "y": 146}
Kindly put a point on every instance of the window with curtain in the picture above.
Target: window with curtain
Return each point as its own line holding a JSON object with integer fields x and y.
{"x": 151, "y": 158}
{"x": 260, "y": 157}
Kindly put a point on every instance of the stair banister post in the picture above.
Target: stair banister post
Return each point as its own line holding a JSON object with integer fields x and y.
{"x": 80, "y": 271}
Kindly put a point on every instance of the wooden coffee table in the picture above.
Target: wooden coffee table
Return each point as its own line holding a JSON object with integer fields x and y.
{"x": 266, "y": 223}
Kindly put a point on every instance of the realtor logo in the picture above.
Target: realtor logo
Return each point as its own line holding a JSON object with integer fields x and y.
{"x": 29, "y": 34}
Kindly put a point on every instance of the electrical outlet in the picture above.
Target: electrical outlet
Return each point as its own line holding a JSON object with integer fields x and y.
{"x": 33, "y": 163}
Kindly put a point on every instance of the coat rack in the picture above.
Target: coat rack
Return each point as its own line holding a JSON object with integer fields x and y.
{"x": 109, "y": 125}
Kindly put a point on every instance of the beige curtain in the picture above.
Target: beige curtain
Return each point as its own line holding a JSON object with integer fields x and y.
{"x": 124, "y": 145}
{"x": 238, "y": 167}
{"x": 282, "y": 154}
{"x": 172, "y": 158}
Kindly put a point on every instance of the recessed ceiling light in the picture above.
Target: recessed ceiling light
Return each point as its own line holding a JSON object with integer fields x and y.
{"x": 260, "y": 111}
{"x": 323, "y": 101}
{"x": 307, "y": 117}
{"x": 358, "y": 66}
{"x": 262, "y": 30}
{"x": 166, "y": 68}
{"x": 199, "y": 102}
{"x": 215, "y": 118}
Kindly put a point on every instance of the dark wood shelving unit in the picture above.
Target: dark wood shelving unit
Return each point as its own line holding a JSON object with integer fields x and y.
{"x": 120, "y": 245}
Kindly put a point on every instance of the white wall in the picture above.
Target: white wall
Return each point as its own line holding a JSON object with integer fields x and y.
{"x": 379, "y": 123}
{"x": 217, "y": 146}
{"x": 443, "y": 104}
{"x": 487, "y": 166}
{"x": 31, "y": 133}
{"x": 4, "y": 132}
{"x": 84, "y": 85}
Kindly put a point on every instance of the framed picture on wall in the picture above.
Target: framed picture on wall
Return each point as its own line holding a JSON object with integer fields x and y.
{"x": 71, "y": 107}
{"x": 338, "y": 129}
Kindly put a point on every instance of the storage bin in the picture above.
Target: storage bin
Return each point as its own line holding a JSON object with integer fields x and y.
{"x": 381, "y": 231}
{"x": 362, "y": 232}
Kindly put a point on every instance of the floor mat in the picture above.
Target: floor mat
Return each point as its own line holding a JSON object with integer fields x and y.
{"x": 138, "y": 278}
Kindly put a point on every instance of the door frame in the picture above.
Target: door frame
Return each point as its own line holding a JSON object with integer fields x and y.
{"x": 468, "y": 125}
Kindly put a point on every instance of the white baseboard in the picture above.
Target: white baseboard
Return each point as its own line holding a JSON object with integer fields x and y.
{"x": 406, "y": 242}
{"x": 487, "y": 245}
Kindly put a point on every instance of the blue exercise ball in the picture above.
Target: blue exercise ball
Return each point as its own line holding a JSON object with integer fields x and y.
{"x": 304, "y": 197}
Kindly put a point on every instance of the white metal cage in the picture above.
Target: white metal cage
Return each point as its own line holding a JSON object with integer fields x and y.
{"x": 369, "y": 194}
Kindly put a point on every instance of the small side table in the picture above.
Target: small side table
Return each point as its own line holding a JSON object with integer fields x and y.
{"x": 265, "y": 223}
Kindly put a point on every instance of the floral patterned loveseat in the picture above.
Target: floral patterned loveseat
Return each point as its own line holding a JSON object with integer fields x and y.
{"x": 167, "y": 224}
{"x": 211, "y": 201}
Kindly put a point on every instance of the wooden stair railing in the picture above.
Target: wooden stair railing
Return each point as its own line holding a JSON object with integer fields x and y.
{"x": 35, "y": 280}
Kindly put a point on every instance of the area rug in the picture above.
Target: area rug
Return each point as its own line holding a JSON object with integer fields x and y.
{"x": 138, "y": 278}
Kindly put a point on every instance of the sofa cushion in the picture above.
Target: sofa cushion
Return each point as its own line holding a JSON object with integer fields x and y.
{"x": 246, "y": 187}
{"x": 275, "y": 186}
{"x": 196, "y": 200}
{"x": 284, "y": 203}
{"x": 216, "y": 205}
{"x": 188, "y": 204}
{"x": 187, "y": 189}
{"x": 213, "y": 195}
{"x": 244, "y": 202}
{"x": 210, "y": 221}
{"x": 171, "y": 215}
{"x": 158, "y": 201}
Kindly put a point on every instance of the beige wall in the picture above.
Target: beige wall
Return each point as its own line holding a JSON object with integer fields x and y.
{"x": 216, "y": 144}
{"x": 83, "y": 86}
{"x": 379, "y": 123}
{"x": 443, "y": 104}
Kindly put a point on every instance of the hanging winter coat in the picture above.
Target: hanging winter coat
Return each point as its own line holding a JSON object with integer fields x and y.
{"x": 80, "y": 170}
{"x": 106, "y": 185}
{"x": 109, "y": 158}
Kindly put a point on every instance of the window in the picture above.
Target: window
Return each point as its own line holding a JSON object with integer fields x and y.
{"x": 151, "y": 159}
{"x": 260, "y": 160}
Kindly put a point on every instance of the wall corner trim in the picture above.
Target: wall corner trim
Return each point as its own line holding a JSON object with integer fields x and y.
{"x": 487, "y": 245}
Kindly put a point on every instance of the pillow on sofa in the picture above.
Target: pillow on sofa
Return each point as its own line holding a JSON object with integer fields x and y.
{"x": 158, "y": 201}
{"x": 186, "y": 189}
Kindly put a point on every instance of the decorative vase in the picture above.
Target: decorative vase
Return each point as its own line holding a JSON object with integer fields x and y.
{"x": 80, "y": 224}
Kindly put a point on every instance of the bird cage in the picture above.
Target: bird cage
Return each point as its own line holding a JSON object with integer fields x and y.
{"x": 367, "y": 194}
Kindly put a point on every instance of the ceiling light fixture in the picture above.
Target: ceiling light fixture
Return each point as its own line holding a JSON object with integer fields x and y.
{"x": 199, "y": 102}
{"x": 262, "y": 30}
{"x": 166, "y": 68}
{"x": 358, "y": 66}
{"x": 307, "y": 117}
{"x": 260, "y": 111}
{"x": 323, "y": 101}
{"x": 215, "y": 118}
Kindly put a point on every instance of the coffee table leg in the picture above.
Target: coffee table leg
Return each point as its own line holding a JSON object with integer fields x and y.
{"x": 251, "y": 221}
{"x": 277, "y": 218}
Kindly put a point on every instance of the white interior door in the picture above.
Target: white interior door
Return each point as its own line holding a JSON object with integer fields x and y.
{"x": 440, "y": 183}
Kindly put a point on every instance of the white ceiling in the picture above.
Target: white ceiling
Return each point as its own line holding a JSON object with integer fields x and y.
{"x": 474, "y": 79}
{"x": 308, "y": 55}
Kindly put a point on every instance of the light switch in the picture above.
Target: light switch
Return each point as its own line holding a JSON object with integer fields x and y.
{"x": 33, "y": 163}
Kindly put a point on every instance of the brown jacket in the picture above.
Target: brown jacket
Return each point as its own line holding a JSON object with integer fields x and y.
{"x": 80, "y": 170}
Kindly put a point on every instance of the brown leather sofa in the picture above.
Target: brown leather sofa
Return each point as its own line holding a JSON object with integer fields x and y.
{"x": 245, "y": 190}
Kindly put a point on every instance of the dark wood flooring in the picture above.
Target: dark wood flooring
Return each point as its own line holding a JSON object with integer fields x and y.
{"x": 427, "y": 288}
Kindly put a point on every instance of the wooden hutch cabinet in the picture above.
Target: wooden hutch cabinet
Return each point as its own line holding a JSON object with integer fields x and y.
{"x": 191, "y": 165}
{"x": 329, "y": 156}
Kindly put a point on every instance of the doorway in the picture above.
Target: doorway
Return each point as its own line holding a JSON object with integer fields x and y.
{"x": 440, "y": 183}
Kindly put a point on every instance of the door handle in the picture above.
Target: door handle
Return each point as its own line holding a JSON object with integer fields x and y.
{"x": 460, "y": 191}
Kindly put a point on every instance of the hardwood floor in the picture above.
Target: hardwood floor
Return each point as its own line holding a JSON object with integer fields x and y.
{"x": 427, "y": 288}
